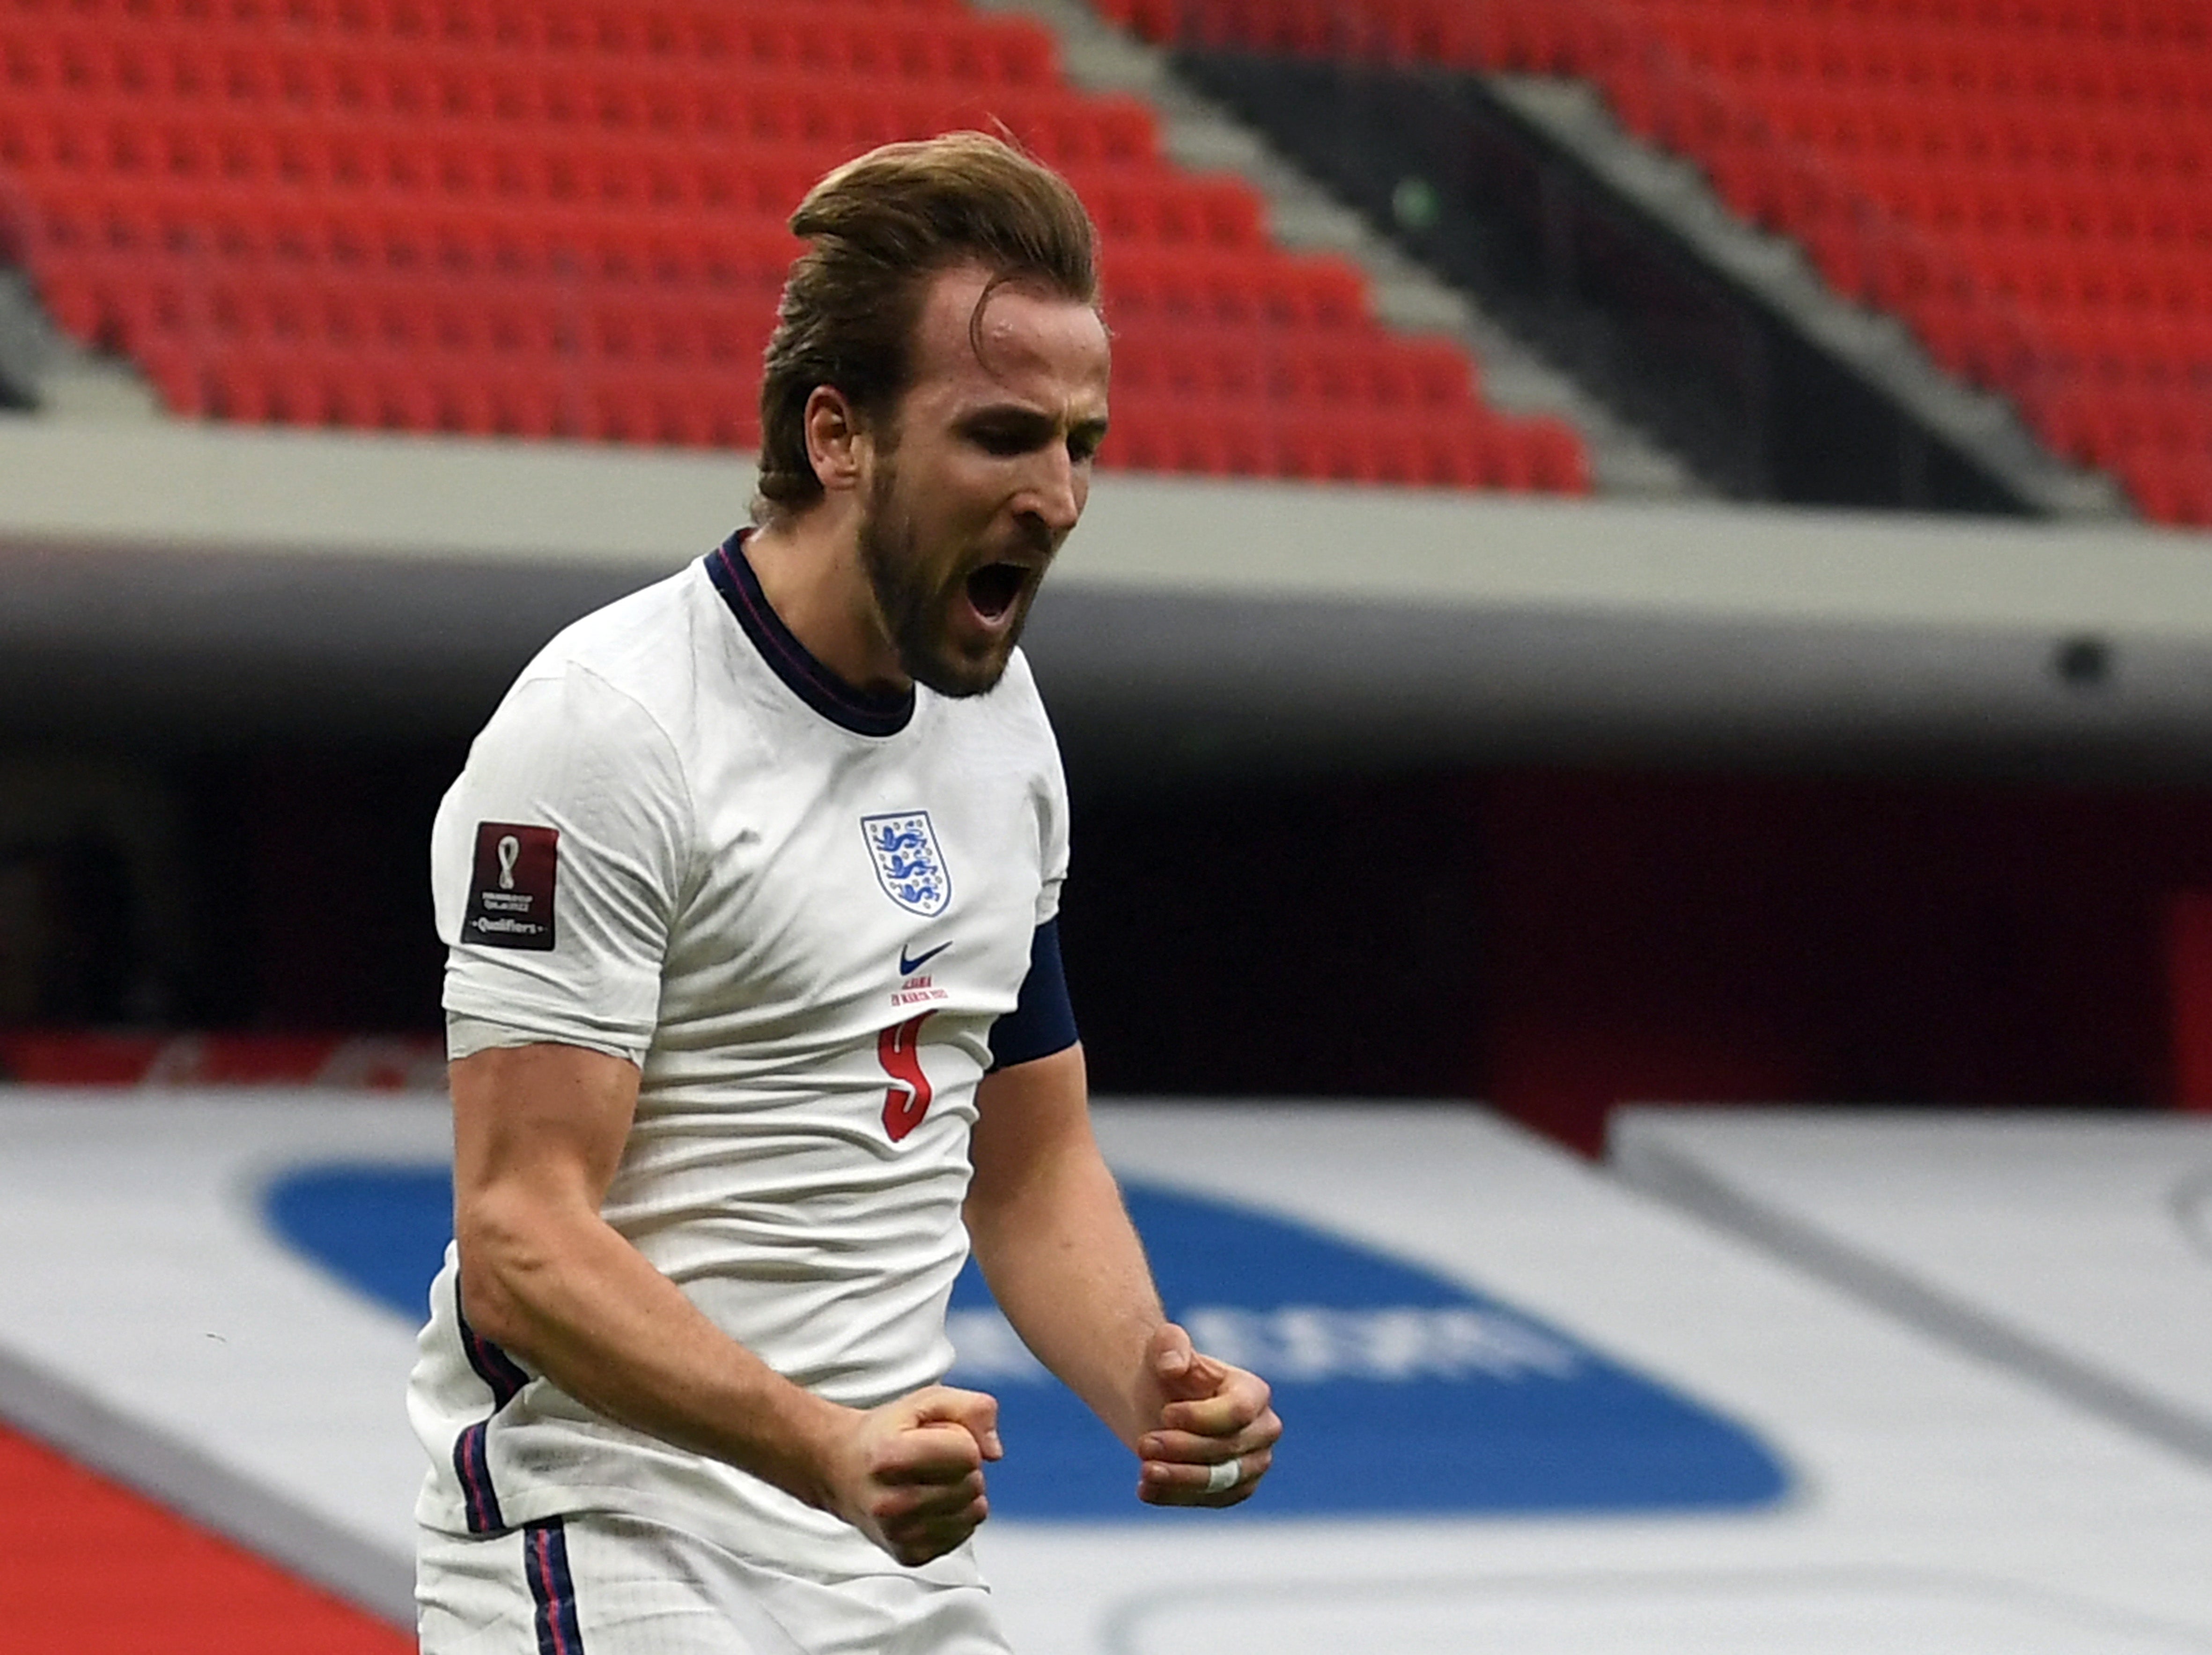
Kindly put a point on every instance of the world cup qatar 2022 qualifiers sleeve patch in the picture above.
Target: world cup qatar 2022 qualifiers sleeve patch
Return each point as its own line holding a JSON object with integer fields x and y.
{"x": 511, "y": 893}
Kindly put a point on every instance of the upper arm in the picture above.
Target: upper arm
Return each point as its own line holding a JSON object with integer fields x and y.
{"x": 548, "y": 1116}
{"x": 558, "y": 862}
{"x": 1028, "y": 1116}
{"x": 1035, "y": 1103}
{"x": 537, "y": 1134}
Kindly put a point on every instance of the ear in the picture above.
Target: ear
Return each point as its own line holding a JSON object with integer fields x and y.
{"x": 835, "y": 441}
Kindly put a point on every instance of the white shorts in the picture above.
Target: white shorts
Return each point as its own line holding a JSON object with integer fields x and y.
{"x": 603, "y": 1584}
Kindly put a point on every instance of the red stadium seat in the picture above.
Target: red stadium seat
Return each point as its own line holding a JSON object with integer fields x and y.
{"x": 1132, "y": 205}
{"x": 2171, "y": 490}
{"x": 1559, "y": 462}
{"x": 2023, "y": 180}
{"x": 507, "y": 217}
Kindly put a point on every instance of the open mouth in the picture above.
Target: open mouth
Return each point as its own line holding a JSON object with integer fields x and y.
{"x": 993, "y": 589}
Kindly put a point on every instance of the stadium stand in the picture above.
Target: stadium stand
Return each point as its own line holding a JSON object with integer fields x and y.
{"x": 2021, "y": 181}
{"x": 96, "y": 1569}
{"x": 567, "y": 220}
{"x": 374, "y": 1063}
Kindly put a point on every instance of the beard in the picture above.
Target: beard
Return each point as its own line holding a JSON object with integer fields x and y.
{"x": 915, "y": 609}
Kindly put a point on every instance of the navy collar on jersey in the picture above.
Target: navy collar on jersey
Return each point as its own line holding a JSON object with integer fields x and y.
{"x": 884, "y": 713}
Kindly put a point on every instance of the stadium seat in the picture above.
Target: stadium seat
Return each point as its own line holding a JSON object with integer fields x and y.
{"x": 2023, "y": 180}
{"x": 538, "y": 217}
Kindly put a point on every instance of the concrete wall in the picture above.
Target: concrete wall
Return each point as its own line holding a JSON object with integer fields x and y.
{"x": 202, "y": 575}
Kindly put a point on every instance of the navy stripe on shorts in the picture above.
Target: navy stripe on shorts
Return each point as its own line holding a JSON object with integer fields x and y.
{"x": 501, "y": 1373}
{"x": 472, "y": 1464}
{"x": 552, "y": 1588}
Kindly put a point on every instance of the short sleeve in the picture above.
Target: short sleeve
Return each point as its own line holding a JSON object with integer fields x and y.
{"x": 1043, "y": 1021}
{"x": 557, "y": 861}
{"x": 1052, "y": 836}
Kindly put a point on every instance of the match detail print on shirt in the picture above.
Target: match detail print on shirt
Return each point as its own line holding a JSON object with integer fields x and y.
{"x": 511, "y": 893}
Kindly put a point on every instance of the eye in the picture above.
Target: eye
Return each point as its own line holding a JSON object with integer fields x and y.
{"x": 1003, "y": 441}
{"x": 1083, "y": 441}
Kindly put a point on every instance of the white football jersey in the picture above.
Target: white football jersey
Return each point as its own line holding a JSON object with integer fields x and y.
{"x": 679, "y": 836}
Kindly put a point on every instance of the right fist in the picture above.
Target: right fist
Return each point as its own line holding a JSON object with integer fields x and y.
{"x": 909, "y": 1475}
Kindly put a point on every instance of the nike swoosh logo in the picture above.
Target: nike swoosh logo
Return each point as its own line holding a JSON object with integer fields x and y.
{"x": 908, "y": 967}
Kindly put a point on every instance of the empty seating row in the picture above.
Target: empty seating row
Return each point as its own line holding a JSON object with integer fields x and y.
{"x": 2081, "y": 276}
{"x": 1989, "y": 307}
{"x": 2103, "y": 142}
{"x": 555, "y": 304}
{"x": 1892, "y": 261}
{"x": 119, "y": 234}
{"x": 1780, "y": 186}
{"x": 1543, "y": 35}
{"x": 1481, "y": 452}
{"x": 51, "y": 148}
{"x": 1888, "y": 229}
{"x": 127, "y": 223}
{"x": 69, "y": 213}
{"x": 2007, "y": 202}
{"x": 607, "y": 25}
{"x": 198, "y": 60}
{"x": 2106, "y": 173}
{"x": 434, "y": 317}
{"x": 1229, "y": 289}
{"x": 1156, "y": 359}
{"x": 1579, "y": 37}
{"x": 1974, "y": 336}
{"x": 2046, "y": 230}
{"x": 2171, "y": 487}
{"x": 1775, "y": 186}
{"x": 1750, "y": 44}
{"x": 2164, "y": 21}
{"x": 674, "y": 102}
{"x": 676, "y": 404}
{"x": 2027, "y": 182}
{"x": 2118, "y": 348}
{"x": 604, "y": 29}
{"x": 504, "y": 319}
{"x": 1576, "y": 37}
{"x": 2101, "y": 425}
{"x": 696, "y": 406}
{"x": 2096, "y": 143}
{"x": 468, "y": 215}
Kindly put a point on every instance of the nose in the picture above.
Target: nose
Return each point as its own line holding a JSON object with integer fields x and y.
{"x": 1054, "y": 498}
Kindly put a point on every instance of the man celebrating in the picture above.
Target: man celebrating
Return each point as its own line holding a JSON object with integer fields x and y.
{"x": 750, "y": 889}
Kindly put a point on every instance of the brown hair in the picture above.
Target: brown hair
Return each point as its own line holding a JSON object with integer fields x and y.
{"x": 881, "y": 225}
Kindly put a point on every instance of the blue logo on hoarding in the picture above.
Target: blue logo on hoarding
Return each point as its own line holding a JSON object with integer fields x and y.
{"x": 380, "y": 1230}
{"x": 1403, "y": 1392}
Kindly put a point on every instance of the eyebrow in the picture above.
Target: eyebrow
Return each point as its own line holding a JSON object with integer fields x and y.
{"x": 1015, "y": 417}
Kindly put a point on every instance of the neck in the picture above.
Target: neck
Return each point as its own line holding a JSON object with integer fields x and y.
{"x": 808, "y": 569}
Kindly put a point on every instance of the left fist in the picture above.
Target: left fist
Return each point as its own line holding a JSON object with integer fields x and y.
{"x": 1215, "y": 1434}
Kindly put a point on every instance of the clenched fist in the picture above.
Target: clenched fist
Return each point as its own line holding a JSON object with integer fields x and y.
{"x": 909, "y": 1475}
{"x": 1216, "y": 1433}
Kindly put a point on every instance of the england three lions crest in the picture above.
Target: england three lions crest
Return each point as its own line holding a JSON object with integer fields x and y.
{"x": 908, "y": 861}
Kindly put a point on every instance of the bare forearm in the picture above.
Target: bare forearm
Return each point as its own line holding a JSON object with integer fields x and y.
{"x": 539, "y": 1131}
{"x": 572, "y": 1298}
{"x": 1063, "y": 1260}
{"x": 1066, "y": 1266}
